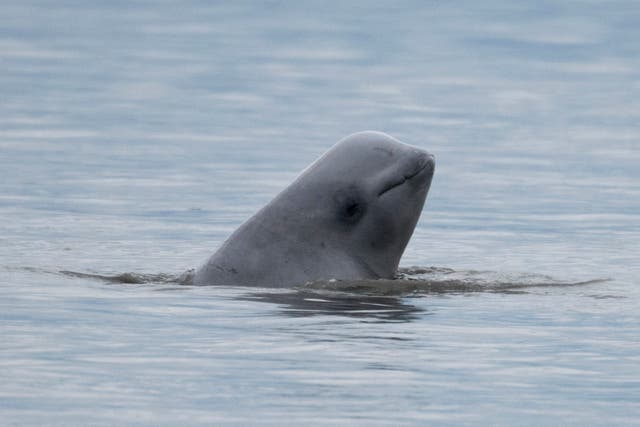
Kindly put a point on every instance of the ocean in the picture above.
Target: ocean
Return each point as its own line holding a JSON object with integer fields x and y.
{"x": 136, "y": 136}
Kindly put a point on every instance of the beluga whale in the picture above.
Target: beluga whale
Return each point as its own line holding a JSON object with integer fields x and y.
{"x": 347, "y": 216}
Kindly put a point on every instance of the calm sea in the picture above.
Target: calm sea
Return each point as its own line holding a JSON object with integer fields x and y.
{"x": 136, "y": 135}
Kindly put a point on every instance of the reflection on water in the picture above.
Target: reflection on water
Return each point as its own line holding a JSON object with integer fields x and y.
{"x": 308, "y": 303}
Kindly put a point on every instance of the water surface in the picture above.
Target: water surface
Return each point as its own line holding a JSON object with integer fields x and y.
{"x": 135, "y": 136}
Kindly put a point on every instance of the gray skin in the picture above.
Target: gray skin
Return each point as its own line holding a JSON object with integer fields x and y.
{"x": 348, "y": 216}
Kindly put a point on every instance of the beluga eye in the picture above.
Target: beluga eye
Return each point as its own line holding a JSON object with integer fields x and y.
{"x": 350, "y": 205}
{"x": 352, "y": 209}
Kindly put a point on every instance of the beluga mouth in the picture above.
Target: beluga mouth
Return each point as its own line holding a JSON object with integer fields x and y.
{"x": 426, "y": 162}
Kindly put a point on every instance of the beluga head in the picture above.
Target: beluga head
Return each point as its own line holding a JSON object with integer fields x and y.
{"x": 347, "y": 216}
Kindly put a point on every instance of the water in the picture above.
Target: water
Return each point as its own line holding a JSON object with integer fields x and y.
{"x": 135, "y": 136}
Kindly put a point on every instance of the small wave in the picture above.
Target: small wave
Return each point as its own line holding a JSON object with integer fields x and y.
{"x": 442, "y": 280}
{"x": 409, "y": 281}
{"x": 133, "y": 278}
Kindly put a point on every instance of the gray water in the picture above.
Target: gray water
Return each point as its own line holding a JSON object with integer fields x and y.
{"x": 135, "y": 136}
